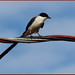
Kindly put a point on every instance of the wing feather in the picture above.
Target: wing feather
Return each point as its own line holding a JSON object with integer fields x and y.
{"x": 28, "y": 25}
{"x": 42, "y": 25}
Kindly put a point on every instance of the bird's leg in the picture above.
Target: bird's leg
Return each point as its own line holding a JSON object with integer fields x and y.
{"x": 31, "y": 34}
{"x": 39, "y": 34}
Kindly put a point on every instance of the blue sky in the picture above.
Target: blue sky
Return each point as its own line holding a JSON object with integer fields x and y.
{"x": 48, "y": 57}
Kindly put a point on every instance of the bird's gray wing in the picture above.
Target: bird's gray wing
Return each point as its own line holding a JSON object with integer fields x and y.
{"x": 42, "y": 25}
{"x": 30, "y": 22}
{"x": 28, "y": 25}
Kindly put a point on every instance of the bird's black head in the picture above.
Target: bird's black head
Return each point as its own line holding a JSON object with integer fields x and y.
{"x": 44, "y": 15}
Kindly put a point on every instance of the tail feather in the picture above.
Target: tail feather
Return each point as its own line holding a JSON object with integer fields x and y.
{"x": 13, "y": 45}
{"x": 7, "y": 50}
{"x": 25, "y": 34}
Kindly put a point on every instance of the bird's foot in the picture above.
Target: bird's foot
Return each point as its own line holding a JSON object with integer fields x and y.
{"x": 39, "y": 35}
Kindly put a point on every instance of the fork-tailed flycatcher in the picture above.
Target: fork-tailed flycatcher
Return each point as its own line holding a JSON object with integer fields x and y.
{"x": 35, "y": 24}
{"x": 33, "y": 27}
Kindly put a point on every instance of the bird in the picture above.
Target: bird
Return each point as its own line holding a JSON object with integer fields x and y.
{"x": 33, "y": 26}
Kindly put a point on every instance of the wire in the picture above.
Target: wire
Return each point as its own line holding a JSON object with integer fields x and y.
{"x": 35, "y": 39}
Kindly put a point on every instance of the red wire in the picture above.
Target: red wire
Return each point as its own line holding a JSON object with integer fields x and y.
{"x": 3, "y": 41}
{"x": 62, "y": 36}
{"x": 56, "y": 36}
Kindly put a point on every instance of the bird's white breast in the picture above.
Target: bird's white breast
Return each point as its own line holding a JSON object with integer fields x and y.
{"x": 37, "y": 22}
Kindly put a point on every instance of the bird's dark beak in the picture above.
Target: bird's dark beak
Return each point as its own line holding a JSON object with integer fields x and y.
{"x": 49, "y": 18}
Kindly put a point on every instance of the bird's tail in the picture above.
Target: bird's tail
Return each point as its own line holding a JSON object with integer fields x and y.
{"x": 12, "y": 46}
{"x": 25, "y": 34}
{"x": 8, "y": 49}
